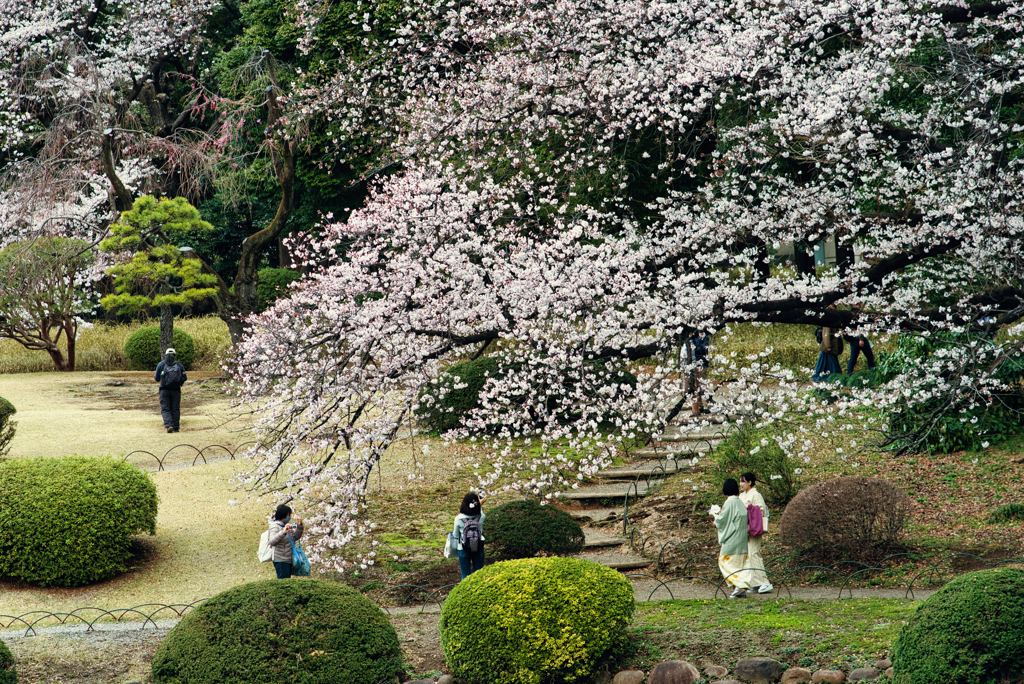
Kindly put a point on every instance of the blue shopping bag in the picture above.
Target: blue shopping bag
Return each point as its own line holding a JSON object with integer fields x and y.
{"x": 300, "y": 564}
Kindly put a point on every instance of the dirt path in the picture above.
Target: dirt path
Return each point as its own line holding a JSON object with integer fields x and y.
{"x": 115, "y": 413}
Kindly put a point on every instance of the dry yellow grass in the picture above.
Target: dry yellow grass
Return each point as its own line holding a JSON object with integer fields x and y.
{"x": 68, "y": 413}
{"x": 101, "y": 348}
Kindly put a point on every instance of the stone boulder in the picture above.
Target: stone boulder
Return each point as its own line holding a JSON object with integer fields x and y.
{"x": 715, "y": 671}
{"x": 883, "y": 664}
{"x": 796, "y": 675}
{"x": 673, "y": 672}
{"x": 446, "y": 679}
{"x": 828, "y": 677}
{"x": 759, "y": 670}
{"x": 864, "y": 674}
{"x": 628, "y": 677}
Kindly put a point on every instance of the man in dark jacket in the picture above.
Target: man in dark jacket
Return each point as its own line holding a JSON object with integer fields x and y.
{"x": 171, "y": 376}
{"x": 859, "y": 345}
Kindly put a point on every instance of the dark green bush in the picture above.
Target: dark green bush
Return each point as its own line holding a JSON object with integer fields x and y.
{"x": 521, "y": 529}
{"x": 534, "y": 620}
{"x": 970, "y": 631}
{"x": 70, "y": 521}
{"x": 296, "y": 631}
{"x": 272, "y": 284}
{"x": 7, "y": 673}
{"x": 461, "y": 385}
{"x": 143, "y": 348}
{"x": 952, "y": 422}
{"x": 1012, "y": 512}
{"x": 748, "y": 450}
{"x": 7, "y": 426}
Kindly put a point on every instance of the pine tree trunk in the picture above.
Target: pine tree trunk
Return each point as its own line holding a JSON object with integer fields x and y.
{"x": 166, "y": 323}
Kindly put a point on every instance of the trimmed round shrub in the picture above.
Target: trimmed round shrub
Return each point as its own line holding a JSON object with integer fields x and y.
{"x": 522, "y": 529}
{"x": 296, "y": 631}
{"x": 534, "y": 620}
{"x": 7, "y": 674}
{"x": 143, "y": 347}
{"x": 848, "y": 518}
{"x": 70, "y": 521}
{"x": 7, "y": 425}
{"x": 272, "y": 284}
{"x": 970, "y": 631}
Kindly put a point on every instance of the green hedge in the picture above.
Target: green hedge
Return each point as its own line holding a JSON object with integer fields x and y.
{"x": 969, "y": 632}
{"x": 7, "y": 673}
{"x": 70, "y": 521}
{"x": 521, "y": 529}
{"x": 143, "y": 348}
{"x": 534, "y": 620}
{"x": 296, "y": 631}
{"x": 7, "y": 426}
{"x": 756, "y": 451}
{"x": 461, "y": 385}
{"x": 272, "y": 284}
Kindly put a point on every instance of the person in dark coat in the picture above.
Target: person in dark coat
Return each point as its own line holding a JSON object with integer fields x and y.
{"x": 171, "y": 376}
{"x": 859, "y": 345}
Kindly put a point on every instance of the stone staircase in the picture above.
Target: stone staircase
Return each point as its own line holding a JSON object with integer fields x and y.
{"x": 672, "y": 453}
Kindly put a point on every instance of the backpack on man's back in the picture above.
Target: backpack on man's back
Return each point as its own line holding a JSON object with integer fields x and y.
{"x": 171, "y": 377}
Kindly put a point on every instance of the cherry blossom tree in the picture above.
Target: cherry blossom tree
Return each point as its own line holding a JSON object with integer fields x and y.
{"x": 585, "y": 185}
{"x": 86, "y": 112}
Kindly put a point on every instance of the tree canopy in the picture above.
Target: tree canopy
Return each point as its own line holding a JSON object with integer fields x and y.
{"x": 585, "y": 185}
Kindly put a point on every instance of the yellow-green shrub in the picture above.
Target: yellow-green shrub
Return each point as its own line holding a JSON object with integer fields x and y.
{"x": 534, "y": 620}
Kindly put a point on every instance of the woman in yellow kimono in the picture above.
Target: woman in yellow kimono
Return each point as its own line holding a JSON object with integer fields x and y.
{"x": 731, "y": 521}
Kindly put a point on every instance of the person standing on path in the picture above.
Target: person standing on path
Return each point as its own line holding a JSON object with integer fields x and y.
{"x": 830, "y": 346}
{"x": 859, "y": 345}
{"x": 281, "y": 527}
{"x": 171, "y": 376}
{"x": 751, "y": 497}
{"x": 731, "y": 521}
{"x": 467, "y": 535}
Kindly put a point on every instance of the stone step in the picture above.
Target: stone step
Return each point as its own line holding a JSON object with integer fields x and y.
{"x": 597, "y": 540}
{"x": 675, "y": 433}
{"x": 656, "y": 469}
{"x": 597, "y": 515}
{"x": 609, "y": 491}
{"x": 684, "y": 449}
{"x": 618, "y": 561}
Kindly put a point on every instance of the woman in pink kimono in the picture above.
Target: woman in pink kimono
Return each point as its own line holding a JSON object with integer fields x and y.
{"x": 731, "y": 521}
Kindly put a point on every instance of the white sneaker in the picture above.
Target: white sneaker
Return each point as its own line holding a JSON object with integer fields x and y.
{"x": 766, "y": 588}
{"x": 738, "y": 593}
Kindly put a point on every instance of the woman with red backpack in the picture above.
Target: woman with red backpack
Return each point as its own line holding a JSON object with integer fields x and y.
{"x": 468, "y": 535}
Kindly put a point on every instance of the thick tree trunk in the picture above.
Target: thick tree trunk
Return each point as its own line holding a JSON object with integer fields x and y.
{"x": 166, "y": 323}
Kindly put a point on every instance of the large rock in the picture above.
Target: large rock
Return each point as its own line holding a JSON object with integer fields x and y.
{"x": 727, "y": 681}
{"x": 883, "y": 664}
{"x": 796, "y": 675}
{"x": 673, "y": 672}
{"x": 715, "y": 671}
{"x": 889, "y": 672}
{"x": 629, "y": 677}
{"x": 864, "y": 674}
{"x": 759, "y": 670}
{"x": 446, "y": 679}
{"x": 828, "y": 677}
{"x": 421, "y": 681}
